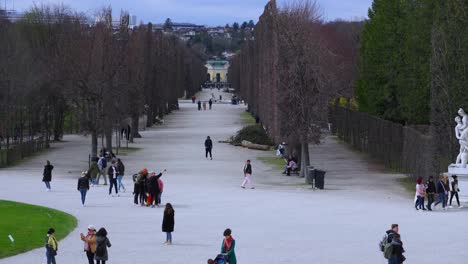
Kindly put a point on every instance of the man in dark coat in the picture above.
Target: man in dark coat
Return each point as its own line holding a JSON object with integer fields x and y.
{"x": 47, "y": 175}
{"x": 153, "y": 187}
{"x": 83, "y": 186}
{"x": 112, "y": 173}
{"x": 208, "y": 147}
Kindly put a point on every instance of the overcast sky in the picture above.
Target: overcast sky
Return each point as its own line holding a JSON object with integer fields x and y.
{"x": 204, "y": 12}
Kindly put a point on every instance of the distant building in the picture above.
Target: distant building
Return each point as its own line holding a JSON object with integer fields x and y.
{"x": 217, "y": 70}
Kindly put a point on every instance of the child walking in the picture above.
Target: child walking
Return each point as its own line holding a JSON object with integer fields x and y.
{"x": 168, "y": 223}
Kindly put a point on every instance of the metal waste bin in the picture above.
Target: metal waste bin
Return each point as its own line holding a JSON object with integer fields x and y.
{"x": 310, "y": 174}
{"x": 320, "y": 179}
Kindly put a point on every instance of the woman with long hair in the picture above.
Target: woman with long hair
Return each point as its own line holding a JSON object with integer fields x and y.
{"x": 168, "y": 223}
{"x": 228, "y": 246}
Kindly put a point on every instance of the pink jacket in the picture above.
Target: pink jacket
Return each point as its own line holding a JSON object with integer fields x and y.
{"x": 161, "y": 185}
{"x": 420, "y": 190}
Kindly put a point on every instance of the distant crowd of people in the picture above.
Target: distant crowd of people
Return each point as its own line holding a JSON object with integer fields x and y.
{"x": 443, "y": 190}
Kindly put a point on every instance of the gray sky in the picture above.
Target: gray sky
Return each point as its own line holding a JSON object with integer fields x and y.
{"x": 205, "y": 12}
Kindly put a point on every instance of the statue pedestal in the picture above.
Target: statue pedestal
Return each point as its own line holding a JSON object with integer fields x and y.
{"x": 462, "y": 174}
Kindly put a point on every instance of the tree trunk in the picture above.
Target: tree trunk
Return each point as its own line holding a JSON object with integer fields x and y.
{"x": 108, "y": 135}
{"x": 135, "y": 128}
{"x": 94, "y": 143}
{"x": 305, "y": 160}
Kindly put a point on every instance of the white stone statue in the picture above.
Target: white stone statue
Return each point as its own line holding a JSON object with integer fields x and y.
{"x": 461, "y": 133}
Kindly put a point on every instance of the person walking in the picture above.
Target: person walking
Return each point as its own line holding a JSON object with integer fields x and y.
{"x": 102, "y": 243}
{"x": 441, "y": 192}
{"x": 93, "y": 173}
{"x": 397, "y": 250}
{"x": 47, "y": 175}
{"x": 208, "y": 147}
{"x": 120, "y": 174}
{"x": 102, "y": 164}
{"x": 89, "y": 243}
{"x": 210, "y": 103}
{"x": 228, "y": 247}
{"x": 199, "y": 105}
{"x": 454, "y": 191}
{"x": 168, "y": 223}
{"x": 51, "y": 246}
{"x": 248, "y": 175}
{"x": 112, "y": 172}
{"x": 430, "y": 191}
{"x": 420, "y": 192}
{"x": 83, "y": 186}
{"x": 139, "y": 189}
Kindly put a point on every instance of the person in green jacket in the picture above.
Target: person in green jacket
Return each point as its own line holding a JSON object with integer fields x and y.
{"x": 228, "y": 246}
{"x": 93, "y": 172}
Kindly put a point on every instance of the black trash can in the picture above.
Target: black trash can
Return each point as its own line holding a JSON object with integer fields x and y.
{"x": 320, "y": 179}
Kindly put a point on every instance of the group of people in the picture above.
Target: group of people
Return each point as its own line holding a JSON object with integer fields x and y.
{"x": 148, "y": 188}
{"x": 200, "y": 104}
{"x": 442, "y": 188}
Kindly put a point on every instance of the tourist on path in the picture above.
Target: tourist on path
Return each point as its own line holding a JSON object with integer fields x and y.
{"x": 430, "y": 191}
{"x": 199, "y": 105}
{"x": 47, "y": 175}
{"x": 447, "y": 189}
{"x": 208, "y": 147}
{"x": 168, "y": 223}
{"x": 120, "y": 174}
{"x": 441, "y": 191}
{"x": 90, "y": 243}
{"x": 102, "y": 164}
{"x": 210, "y": 103}
{"x": 420, "y": 192}
{"x": 153, "y": 188}
{"x": 397, "y": 250}
{"x": 228, "y": 246}
{"x": 139, "y": 188}
{"x": 51, "y": 246}
{"x": 93, "y": 173}
{"x": 248, "y": 175}
{"x": 161, "y": 189}
{"x": 83, "y": 186}
{"x": 454, "y": 191}
{"x": 204, "y": 106}
{"x": 102, "y": 243}
{"x": 112, "y": 172}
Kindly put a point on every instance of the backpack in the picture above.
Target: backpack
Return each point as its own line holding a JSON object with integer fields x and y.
{"x": 388, "y": 251}
{"x": 383, "y": 242}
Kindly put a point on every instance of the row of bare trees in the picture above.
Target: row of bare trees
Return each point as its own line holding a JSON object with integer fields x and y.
{"x": 293, "y": 69}
{"x": 57, "y": 71}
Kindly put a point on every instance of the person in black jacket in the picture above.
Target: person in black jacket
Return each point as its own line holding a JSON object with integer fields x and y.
{"x": 47, "y": 175}
{"x": 83, "y": 186}
{"x": 397, "y": 251}
{"x": 168, "y": 223}
{"x": 112, "y": 173}
{"x": 199, "y": 105}
{"x": 208, "y": 147}
{"x": 247, "y": 175}
{"x": 153, "y": 188}
{"x": 120, "y": 174}
{"x": 454, "y": 191}
{"x": 430, "y": 191}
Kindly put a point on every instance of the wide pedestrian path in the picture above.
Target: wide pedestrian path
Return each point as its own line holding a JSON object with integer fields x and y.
{"x": 281, "y": 221}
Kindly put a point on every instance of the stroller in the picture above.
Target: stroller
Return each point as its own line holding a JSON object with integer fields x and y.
{"x": 221, "y": 259}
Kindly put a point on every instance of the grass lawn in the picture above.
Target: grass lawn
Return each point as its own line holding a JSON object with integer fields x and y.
{"x": 247, "y": 118}
{"x": 277, "y": 163}
{"x": 28, "y": 225}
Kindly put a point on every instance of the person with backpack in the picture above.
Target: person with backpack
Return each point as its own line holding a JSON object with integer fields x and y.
{"x": 47, "y": 175}
{"x": 454, "y": 191}
{"x": 112, "y": 172}
{"x": 385, "y": 243}
{"x": 430, "y": 191}
{"x": 102, "y": 243}
{"x": 420, "y": 192}
{"x": 441, "y": 191}
{"x": 139, "y": 189}
{"x": 228, "y": 247}
{"x": 89, "y": 243}
{"x": 208, "y": 147}
{"x": 397, "y": 256}
{"x": 102, "y": 165}
{"x": 120, "y": 174}
{"x": 51, "y": 246}
{"x": 168, "y": 223}
{"x": 83, "y": 186}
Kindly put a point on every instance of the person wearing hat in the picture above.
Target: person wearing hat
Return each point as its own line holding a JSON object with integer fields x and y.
{"x": 454, "y": 191}
{"x": 90, "y": 243}
{"x": 83, "y": 186}
{"x": 51, "y": 246}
